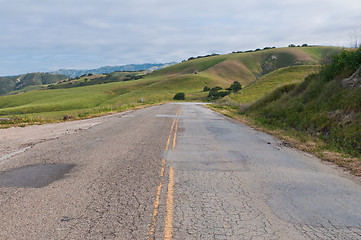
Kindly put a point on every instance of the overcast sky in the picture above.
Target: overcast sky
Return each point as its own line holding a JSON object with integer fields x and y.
{"x": 45, "y": 35}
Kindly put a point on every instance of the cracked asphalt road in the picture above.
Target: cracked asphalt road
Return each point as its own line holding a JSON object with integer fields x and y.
{"x": 176, "y": 171}
{"x": 232, "y": 182}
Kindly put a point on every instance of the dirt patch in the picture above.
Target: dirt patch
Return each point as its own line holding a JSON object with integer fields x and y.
{"x": 299, "y": 54}
{"x": 232, "y": 70}
{"x": 17, "y": 138}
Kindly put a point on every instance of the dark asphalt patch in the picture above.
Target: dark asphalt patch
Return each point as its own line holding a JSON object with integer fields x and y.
{"x": 34, "y": 176}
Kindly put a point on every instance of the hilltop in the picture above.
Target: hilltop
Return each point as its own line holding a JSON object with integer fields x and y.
{"x": 190, "y": 77}
{"x": 248, "y": 67}
{"x": 73, "y": 73}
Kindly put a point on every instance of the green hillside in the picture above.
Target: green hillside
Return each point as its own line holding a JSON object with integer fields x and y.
{"x": 189, "y": 77}
{"x": 271, "y": 81}
{"x": 247, "y": 67}
{"x": 9, "y": 84}
{"x": 326, "y": 105}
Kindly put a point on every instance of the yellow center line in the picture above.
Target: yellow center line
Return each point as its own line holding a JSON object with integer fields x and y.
{"x": 170, "y": 134}
{"x": 157, "y": 199}
{"x": 175, "y": 134}
{"x": 168, "y": 228}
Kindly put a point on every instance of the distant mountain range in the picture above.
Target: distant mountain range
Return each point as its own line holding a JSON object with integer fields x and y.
{"x": 108, "y": 69}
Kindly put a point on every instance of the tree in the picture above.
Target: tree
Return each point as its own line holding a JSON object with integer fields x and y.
{"x": 215, "y": 94}
{"x": 235, "y": 87}
{"x": 206, "y": 89}
{"x": 212, "y": 93}
{"x": 179, "y": 96}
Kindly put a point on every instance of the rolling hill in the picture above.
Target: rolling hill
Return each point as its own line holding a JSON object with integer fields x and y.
{"x": 8, "y": 84}
{"x": 269, "y": 82}
{"x": 189, "y": 77}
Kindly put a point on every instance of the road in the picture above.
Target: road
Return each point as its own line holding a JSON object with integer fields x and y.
{"x": 174, "y": 171}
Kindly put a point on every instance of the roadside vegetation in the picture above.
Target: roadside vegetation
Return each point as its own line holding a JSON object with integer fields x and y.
{"x": 321, "y": 114}
{"x": 320, "y": 106}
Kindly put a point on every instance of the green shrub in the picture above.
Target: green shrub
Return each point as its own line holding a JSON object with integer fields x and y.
{"x": 215, "y": 94}
{"x": 206, "y": 89}
{"x": 179, "y": 96}
{"x": 235, "y": 87}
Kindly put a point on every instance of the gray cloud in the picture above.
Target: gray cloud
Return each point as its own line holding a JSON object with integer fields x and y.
{"x": 46, "y": 35}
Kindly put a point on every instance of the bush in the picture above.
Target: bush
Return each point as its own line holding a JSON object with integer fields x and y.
{"x": 345, "y": 62}
{"x": 215, "y": 94}
{"x": 206, "y": 89}
{"x": 179, "y": 96}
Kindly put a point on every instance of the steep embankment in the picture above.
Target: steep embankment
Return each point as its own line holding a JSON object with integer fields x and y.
{"x": 189, "y": 77}
{"x": 326, "y": 105}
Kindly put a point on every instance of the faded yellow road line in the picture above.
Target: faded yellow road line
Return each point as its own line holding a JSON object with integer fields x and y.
{"x": 163, "y": 168}
{"x": 159, "y": 189}
{"x": 175, "y": 134}
{"x": 170, "y": 134}
{"x": 155, "y": 212}
{"x": 168, "y": 229}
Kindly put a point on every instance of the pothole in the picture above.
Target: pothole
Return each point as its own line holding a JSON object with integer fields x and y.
{"x": 34, "y": 176}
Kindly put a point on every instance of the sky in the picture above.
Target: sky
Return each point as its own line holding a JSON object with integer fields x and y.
{"x": 47, "y": 35}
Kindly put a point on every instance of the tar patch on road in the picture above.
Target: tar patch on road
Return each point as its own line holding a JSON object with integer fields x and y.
{"x": 34, "y": 176}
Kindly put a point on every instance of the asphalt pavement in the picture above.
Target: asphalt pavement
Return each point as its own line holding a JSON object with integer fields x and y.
{"x": 174, "y": 171}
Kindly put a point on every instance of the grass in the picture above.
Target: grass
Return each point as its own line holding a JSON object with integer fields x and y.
{"x": 320, "y": 53}
{"x": 321, "y": 108}
{"x": 270, "y": 82}
{"x": 83, "y": 102}
{"x": 160, "y": 86}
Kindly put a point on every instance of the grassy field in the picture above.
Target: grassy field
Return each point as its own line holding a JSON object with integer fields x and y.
{"x": 80, "y": 102}
{"x": 189, "y": 77}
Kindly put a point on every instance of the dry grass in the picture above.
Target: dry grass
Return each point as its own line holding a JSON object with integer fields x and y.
{"x": 232, "y": 70}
